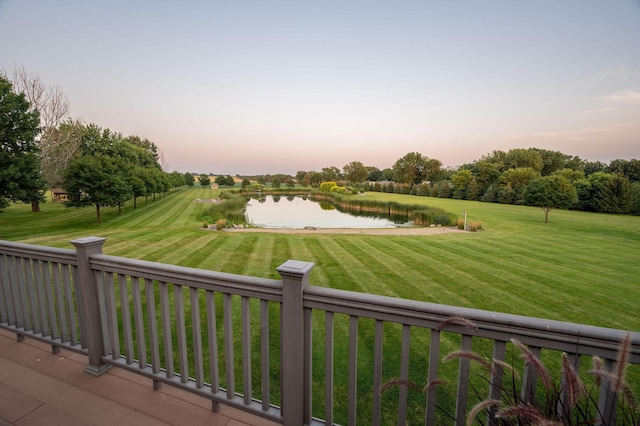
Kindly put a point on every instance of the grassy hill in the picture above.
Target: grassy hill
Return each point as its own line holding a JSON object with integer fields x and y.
{"x": 579, "y": 267}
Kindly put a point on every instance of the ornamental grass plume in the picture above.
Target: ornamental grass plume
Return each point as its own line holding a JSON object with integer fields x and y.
{"x": 457, "y": 321}
{"x": 471, "y": 356}
{"x": 526, "y": 411}
{"x": 573, "y": 385}
{"x": 533, "y": 360}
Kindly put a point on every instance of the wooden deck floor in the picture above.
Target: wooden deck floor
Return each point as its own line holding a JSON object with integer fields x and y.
{"x": 41, "y": 388}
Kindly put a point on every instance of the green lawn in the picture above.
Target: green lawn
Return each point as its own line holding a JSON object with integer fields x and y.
{"x": 579, "y": 267}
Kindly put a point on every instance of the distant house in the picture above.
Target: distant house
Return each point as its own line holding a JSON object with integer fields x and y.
{"x": 58, "y": 194}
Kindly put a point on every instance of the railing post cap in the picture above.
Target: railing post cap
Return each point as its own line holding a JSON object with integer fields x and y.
{"x": 88, "y": 241}
{"x": 295, "y": 268}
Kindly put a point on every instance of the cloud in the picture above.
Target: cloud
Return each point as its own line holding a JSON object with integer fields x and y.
{"x": 628, "y": 96}
{"x": 612, "y": 75}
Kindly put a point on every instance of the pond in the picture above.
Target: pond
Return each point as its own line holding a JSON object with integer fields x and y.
{"x": 301, "y": 212}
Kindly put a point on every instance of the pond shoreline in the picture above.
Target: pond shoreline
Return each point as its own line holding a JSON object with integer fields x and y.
{"x": 410, "y": 231}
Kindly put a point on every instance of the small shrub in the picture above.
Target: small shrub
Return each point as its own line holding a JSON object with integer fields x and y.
{"x": 460, "y": 224}
{"x": 205, "y": 224}
{"x": 475, "y": 226}
{"x": 221, "y": 224}
{"x": 443, "y": 220}
{"x": 327, "y": 186}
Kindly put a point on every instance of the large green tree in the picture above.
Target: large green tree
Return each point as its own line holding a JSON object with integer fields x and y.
{"x": 355, "y": 172}
{"x": 20, "y": 173}
{"x": 95, "y": 180}
{"x": 550, "y": 192}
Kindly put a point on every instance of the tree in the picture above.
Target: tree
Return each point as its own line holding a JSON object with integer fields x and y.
{"x": 315, "y": 178}
{"x": 137, "y": 183}
{"x": 414, "y": 168}
{"x": 275, "y": 183}
{"x": 410, "y": 168}
{"x": 375, "y": 174}
{"x": 301, "y": 177}
{"x": 204, "y": 180}
{"x": 189, "y": 179}
{"x": 62, "y": 144}
{"x": 95, "y": 180}
{"x": 224, "y": 180}
{"x": 53, "y": 108}
{"x": 614, "y": 196}
{"x": 355, "y": 172}
{"x": 20, "y": 173}
{"x": 550, "y": 192}
{"x": 519, "y": 158}
{"x": 245, "y": 183}
{"x": 330, "y": 173}
{"x": 518, "y": 178}
{"x": 461, "y": 180}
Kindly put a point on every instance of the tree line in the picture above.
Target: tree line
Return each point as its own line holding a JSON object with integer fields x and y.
{"x": 532, "y": 176}
{"x": 42, "y": 148}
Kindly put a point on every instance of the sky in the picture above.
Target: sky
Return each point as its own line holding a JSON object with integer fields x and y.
{"x": 266, "y": 87}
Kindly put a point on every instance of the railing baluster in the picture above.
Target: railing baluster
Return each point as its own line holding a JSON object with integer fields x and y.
{"x": 60, "y": 309}
{"x": 434, "y": 360}
{"x": 213, "y": 342}
{"x": 80, "y": 310}
{"x": 196, "y": 337}
{"x": 404, "y": 373}
{"x": 463, "y": 382}
{"x": 154, "y": 342}
{"x": 70, "y": 309}
{"x": 530, "y": 378}
{"x": 182, "y": 335}
{"x": 69, "y": 304}
{"x": 6, "y": 308}
{"x": 27, "y": 295}
{"x": 607, "y": 398}
{"x": 38, "y": 270}
{"x": 246, "y": 349}
{"x": 353, "y": 369}
{"x": 98, "y": 277}
{"x": 264, "y": 355}
{"x": 328, "y": 368}
{"x": 227, "y": 311}
{"x": 139, "y": 322}
{"x": 126, "y": 318}
{"x": 495, "y": 385}
{"x": 50, "y": 300}
{"x": 112, "y": 315}
{"x": 167, "y": 341}
{"x": 308, "y": 358}
{"x": 377, "y": 374}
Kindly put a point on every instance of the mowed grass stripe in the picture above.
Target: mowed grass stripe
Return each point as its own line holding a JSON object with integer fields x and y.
{"x": 474, "y": 291}
{"x": 355, "y": 271}
{"x": 422, "y": 279}
{"x": 561, "y": 266}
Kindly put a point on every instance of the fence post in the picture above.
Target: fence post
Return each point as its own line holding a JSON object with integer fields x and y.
{"x": 87, "y": 286}
{"x": 295, "y": 277}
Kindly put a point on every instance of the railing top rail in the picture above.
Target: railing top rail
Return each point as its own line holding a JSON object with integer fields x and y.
{"x": 557, "y": 335}
{"x": 50, "y": 254}
{"x": 242, "y": 285}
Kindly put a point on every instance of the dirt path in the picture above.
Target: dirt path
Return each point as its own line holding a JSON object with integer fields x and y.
{"x": 361, "y": 231}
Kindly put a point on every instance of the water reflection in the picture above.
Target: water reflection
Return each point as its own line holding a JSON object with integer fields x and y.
{"x": 300, "y": 212}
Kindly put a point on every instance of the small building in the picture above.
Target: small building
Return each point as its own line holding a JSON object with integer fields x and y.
{"x": 58, "y": 194}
